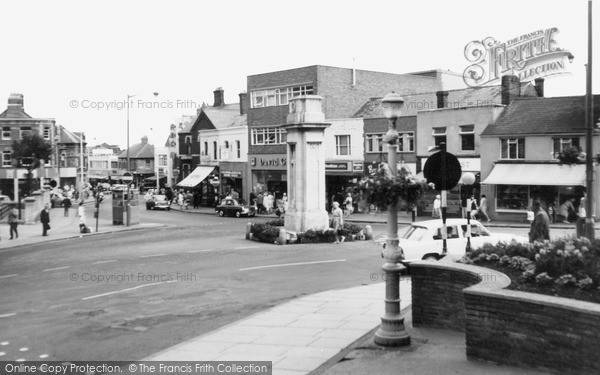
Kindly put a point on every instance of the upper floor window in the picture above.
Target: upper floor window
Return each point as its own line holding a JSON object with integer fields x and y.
{"x": 25, "y": 131}
{"x": 439, "y": 135}
{"x": 406, "y": 142}
{"x": 162, "y": 160}
{"x": 188, "y": 139}
{"x": 467, "y": 138}
{"x": 238, "y": 145}
{"x": 6, "y": 158}
{"x": 46, "y": 133}
{"x": 6, "y": 132}
{"x": 374, "y": 143}
{"x": 277, "y": 96}
{"x": 268, "y": 136}
{"x": 562, "y": 144}
{"x": 513, "y": 148}
{"x": 206, "y": 148}
{"x": 215, "y": 148}
{"x": 342, "y": 145}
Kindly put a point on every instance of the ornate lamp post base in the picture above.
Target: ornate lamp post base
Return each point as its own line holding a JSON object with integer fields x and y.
{"x": 392, "y": 331}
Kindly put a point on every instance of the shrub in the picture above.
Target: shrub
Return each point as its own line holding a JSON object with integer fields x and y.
{"x": 276, "y": 223}
{"x": 352, "y": 228}
{"x": 265, "y": 233}
{"x": 313, "y": 236}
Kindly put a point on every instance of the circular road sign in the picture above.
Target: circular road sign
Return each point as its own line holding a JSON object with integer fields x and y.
{"x": 127, "y": 177}
{"x": 215, "y": 181}
{"x": 445, "y": 177}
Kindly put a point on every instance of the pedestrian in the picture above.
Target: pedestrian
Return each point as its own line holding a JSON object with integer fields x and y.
{"x": 268, "y": 202}
{"x": 337, "y": 222}
{"x": 349, "y": 205}
{"x": 436, "y": 213}
{"x": 474, "y": 208}
{"x": 483, "y": 208}
{"x": 260, "y": 199}
{"x": 234, "y": 194}
{"x": 81, "y": 213}
{"x": 45, "y": 219}
{"x": 566, "y": 210}
{"x": 252, "y": 199}
{"x": 180, "y": 200}
{"x": 13, "y": 222}
{"x": 284, "y": 202}
{"x": 196, "y": 199}
{"x": 540, "y": 227}
{"x": 66, "y": 203}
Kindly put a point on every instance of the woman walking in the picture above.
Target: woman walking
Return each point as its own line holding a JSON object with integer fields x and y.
{"x": 338, "y": 222}
{"x": 13, "y": 222}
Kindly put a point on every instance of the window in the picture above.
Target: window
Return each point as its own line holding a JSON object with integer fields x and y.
{"x": 46, "y": 133}
{"x": 188, "y": 139}
{"x": 512, "y": 197}
{"x": 406, "y": 142}
{"x": 238, "y": 145}
{"x": 513, "y": 148}
{"x": 278, "y": 96}
{"x": 467, "y": 138}
{"x": 562, "y": 144}
{"x": 162, "y": 160}
{"x": 439, "y": 135}
{"x": 25, "y": 131}
{"x": 6, "y": 158}
{"x": 342, "y": 145}
{"x": 268, "y": 136}
{"x": 206, "y": 148}
{"x": 374, "y": 143}
{"x": 215, "y": 150}
{"x": 5, "y": 132}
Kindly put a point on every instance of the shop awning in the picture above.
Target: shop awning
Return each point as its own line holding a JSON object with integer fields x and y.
{"x": 537, "y": 174}
{"x": 153, "y": 178}
{"x": 196, "y": 177}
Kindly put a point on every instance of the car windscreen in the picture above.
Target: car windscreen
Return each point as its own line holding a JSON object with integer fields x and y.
{"x": 415, "y": 233}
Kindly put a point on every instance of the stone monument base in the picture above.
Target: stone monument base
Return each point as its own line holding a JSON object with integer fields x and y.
{"x": 303, "y": 221}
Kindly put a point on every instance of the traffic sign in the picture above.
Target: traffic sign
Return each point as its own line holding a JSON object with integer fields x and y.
{"x": 127, "y": 177}
{"x": 443, "y": 169}
{"x": 215, "y": 181}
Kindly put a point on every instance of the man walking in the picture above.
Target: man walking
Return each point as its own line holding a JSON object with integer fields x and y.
{"x": 540, "y": 227}
{"x": 45, "y": 219}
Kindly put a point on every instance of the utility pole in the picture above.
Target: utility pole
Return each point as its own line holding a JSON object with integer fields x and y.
{"x": 589, "y": 127}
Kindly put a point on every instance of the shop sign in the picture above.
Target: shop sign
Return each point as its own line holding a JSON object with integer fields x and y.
{"x": 527, "y": 56}
{"x": 231, "y": 174}
{"x": 343, "y": 166}
{"x": 357, "y": 167}
{"x": 268, "y": 161}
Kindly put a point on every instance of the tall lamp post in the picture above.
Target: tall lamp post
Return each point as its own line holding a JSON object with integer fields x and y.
{"x": 589, "y": 129}
{"x": 468, "y": 180}
{"x": 392, "y": 331}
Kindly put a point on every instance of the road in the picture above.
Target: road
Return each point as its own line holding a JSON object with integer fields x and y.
{"x": 128, "y": 295}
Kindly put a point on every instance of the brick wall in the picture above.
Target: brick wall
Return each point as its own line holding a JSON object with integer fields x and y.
{"x": 506, "y": 326}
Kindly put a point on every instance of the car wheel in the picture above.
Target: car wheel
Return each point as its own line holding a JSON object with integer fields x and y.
{"x": 431, "y": 257}
{"x": 238, "y": 214}
{"x": 221, "y": 213}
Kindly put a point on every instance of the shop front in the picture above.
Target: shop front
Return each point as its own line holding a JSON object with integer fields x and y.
{"x": 198, "y": 182}
{"x": 268, "y": 173}
{"x": 232, "y": 179}
{"x": 515, "y": 186}
{"x": 342, "y": 177}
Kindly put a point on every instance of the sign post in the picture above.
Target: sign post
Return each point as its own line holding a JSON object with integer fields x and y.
{"x": 128, "y": 179}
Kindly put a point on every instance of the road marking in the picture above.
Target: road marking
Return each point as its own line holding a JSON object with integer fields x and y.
{"x": 151, "y": 255}
{"x": 105, "y": 261}
{"x": 7, "y": 276}
{"x": 127, "y": 290}
{"x": 6, "y": 316}
{"x": 200, "y": 251}
{"x": 246, "y": 247}
{"x": 292, "y": 264}
{"x": 57, "y": 268}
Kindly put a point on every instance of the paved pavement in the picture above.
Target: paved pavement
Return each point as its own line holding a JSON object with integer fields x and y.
{"x": 64, "y": 227}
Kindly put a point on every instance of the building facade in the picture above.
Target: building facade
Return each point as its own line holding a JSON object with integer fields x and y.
{"x": 141, "y": 161}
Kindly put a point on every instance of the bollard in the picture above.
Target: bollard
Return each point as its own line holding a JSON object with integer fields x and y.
{"x": 248, "y": 230}
{"x": 282, "y": 239}
{"x": 368, "y": 232}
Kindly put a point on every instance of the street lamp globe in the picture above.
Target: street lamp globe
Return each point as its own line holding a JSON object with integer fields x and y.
{"x": 468, "y": 178}
{"x": 392, "y": 105}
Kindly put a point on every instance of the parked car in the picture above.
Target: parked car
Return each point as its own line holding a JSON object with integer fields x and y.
{"x": 158, "y": 202}
{"x": 423, "y": 239}
{"x": 56, "y": 199}
{"x": 235, "y": 207}
{"x": 5, "y": 199}
{"x": 118, "y": 187}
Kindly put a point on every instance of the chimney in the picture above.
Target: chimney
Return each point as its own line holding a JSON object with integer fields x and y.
{"x": 539, "y": 87}
{"x": 15, "y": 104}
{"x": 243, "y": 103}
{"x": 442, "y": 99}
{"x": 219, "y": 101}
{"x": 511, "y": 88}
{"x": 144, "y": 140}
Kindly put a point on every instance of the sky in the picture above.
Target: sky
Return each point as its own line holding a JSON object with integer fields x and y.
{"x": 77, "y": 61}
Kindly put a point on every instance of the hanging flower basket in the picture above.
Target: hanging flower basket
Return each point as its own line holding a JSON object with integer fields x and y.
{"x": 571, "y": 156}
{"x": 382, "y": 189}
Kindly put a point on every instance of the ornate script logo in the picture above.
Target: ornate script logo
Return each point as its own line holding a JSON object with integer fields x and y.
{"x": 529, "y": 56}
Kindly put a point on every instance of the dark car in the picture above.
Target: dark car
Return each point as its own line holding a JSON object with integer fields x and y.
{"x": 158, "y": 202}
{"x": 234, "y": 207}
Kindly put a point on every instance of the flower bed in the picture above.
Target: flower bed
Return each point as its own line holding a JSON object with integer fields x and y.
{"x": 269, "y": 232}
{"x": 567, "y": 267}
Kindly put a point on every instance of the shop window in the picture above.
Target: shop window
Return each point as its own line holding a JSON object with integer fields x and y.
{"x": 512, "y": 197}
{"x": 513, "y": 148}
{"x": 342, "y": 145}
{"x": 467, "y": 138}
{"x": 439, "y": 135}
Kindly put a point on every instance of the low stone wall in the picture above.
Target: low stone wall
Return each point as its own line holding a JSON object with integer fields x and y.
{"x": 506, "y": 326}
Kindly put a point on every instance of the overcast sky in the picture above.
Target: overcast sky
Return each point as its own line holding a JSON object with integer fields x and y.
{"x": 64, "y": 55}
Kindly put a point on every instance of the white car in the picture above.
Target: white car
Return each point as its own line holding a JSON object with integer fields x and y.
{"x": 423, "y": 239}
